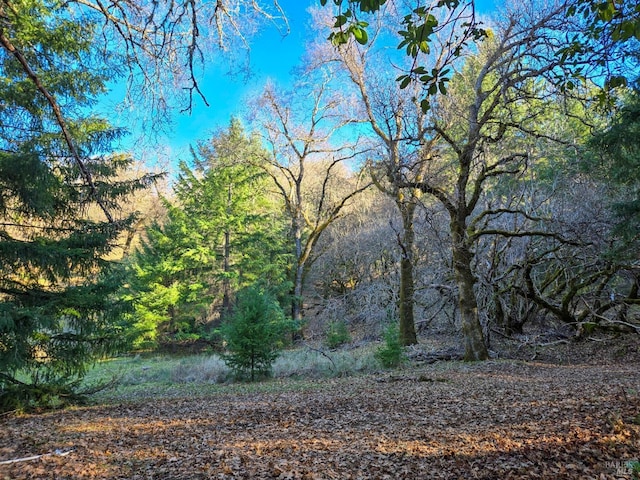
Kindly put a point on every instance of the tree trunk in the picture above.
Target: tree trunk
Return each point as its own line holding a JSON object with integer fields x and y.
{"x": 405, "y": 307}
{"x": 226, "y": 284}
{"x": 406, "y": 290}
{"x": 296, "y": 301}
{"x": 475, "y": 348}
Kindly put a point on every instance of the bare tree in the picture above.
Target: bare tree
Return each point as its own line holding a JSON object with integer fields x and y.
{"x": 306, "y": 157}
{"x": 506, "y": 88}
{"x": 401, "y": 125}
{"x": 499, "y": 93}
{"x": 355, "y": 279}
{"x": 581, "y": 283}
{"x": 163, "y": 46}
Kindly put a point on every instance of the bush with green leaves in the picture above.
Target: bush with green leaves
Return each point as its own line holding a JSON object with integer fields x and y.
{"x": 255, "y": 333}
{"x": 337, "y": 334}
{"x": 391, "y": 355}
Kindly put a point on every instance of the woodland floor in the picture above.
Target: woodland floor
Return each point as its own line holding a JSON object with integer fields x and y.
{"x": 501, "y": 419}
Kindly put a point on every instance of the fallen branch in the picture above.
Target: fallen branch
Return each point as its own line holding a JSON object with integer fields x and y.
{"x": 404, "y": 378}
{"x": 548, "y": 344}
{"x": 57, "y": 453}
{"x": 611, "y": 322}
{"x": 502, "y": 334}
{"x": 335, "y": 369}
{"x": 594, "y": 339}
{"x": 551, "y": 344}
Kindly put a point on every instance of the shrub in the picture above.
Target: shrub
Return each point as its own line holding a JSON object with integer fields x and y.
{"x": 337, "y": 334}
{"x": 391, "y": 355}
{"x": 254, "y": 334}
{"x": 32, "y": 397}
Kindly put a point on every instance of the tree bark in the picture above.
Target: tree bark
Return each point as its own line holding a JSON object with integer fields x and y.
{"x": 475, "y": 348}
{"x": 296, "y": 302}
{"x": 407, "y": 289}
{"x": 298, "y": 280}
{"x": 226, "y": 283}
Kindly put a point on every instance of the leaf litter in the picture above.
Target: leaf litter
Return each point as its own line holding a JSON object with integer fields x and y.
{"x": 491, "y": 420}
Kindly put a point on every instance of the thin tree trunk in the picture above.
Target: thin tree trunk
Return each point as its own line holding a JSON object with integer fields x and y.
{"x": 296, "y": 301}
{"x": 226, "y": 284}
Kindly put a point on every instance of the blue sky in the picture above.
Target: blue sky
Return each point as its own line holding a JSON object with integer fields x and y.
{"x": 272, "y": 56}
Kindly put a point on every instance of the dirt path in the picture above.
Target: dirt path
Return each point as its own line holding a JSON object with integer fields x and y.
{"x": 495, "y": 420}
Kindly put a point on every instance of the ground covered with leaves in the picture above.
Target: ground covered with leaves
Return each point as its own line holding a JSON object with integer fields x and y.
{"x": 502, "y": 419}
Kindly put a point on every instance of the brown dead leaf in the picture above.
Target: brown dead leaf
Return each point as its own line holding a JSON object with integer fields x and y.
{"x": 494, "y": 420}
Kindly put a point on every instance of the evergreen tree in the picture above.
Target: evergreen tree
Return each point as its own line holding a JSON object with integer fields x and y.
{"x": 58, "y": 206}
{"x": 222, "y": 234}
{"x": 617, "y": 161}
{"x": 229, "y": 195}
{"x": 168, "y": 282}
{"x": 254, "y": 334}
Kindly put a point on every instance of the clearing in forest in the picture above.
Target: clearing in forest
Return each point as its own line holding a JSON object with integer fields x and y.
{"x": 493, "y": 420}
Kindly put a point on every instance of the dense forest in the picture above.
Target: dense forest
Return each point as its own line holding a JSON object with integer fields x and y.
{"x": 431, "y": 171}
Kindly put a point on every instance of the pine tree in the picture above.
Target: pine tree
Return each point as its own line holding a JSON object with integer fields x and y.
{"x": 168, "y": 282}
{"x": 617, "y": 161}
{"x": 254, "y": 333}
{"x": 58, "y": 206}
{"x": 238, "y": 206}
{"x": 223, "y": 233}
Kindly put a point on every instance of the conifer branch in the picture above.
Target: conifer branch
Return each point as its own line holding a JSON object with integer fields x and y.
{"x": 60, "y": 120}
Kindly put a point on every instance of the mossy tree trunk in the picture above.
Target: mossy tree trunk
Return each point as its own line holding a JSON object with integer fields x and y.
{"x": 475, "y": 348}
{"x": 407, "y": 289}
